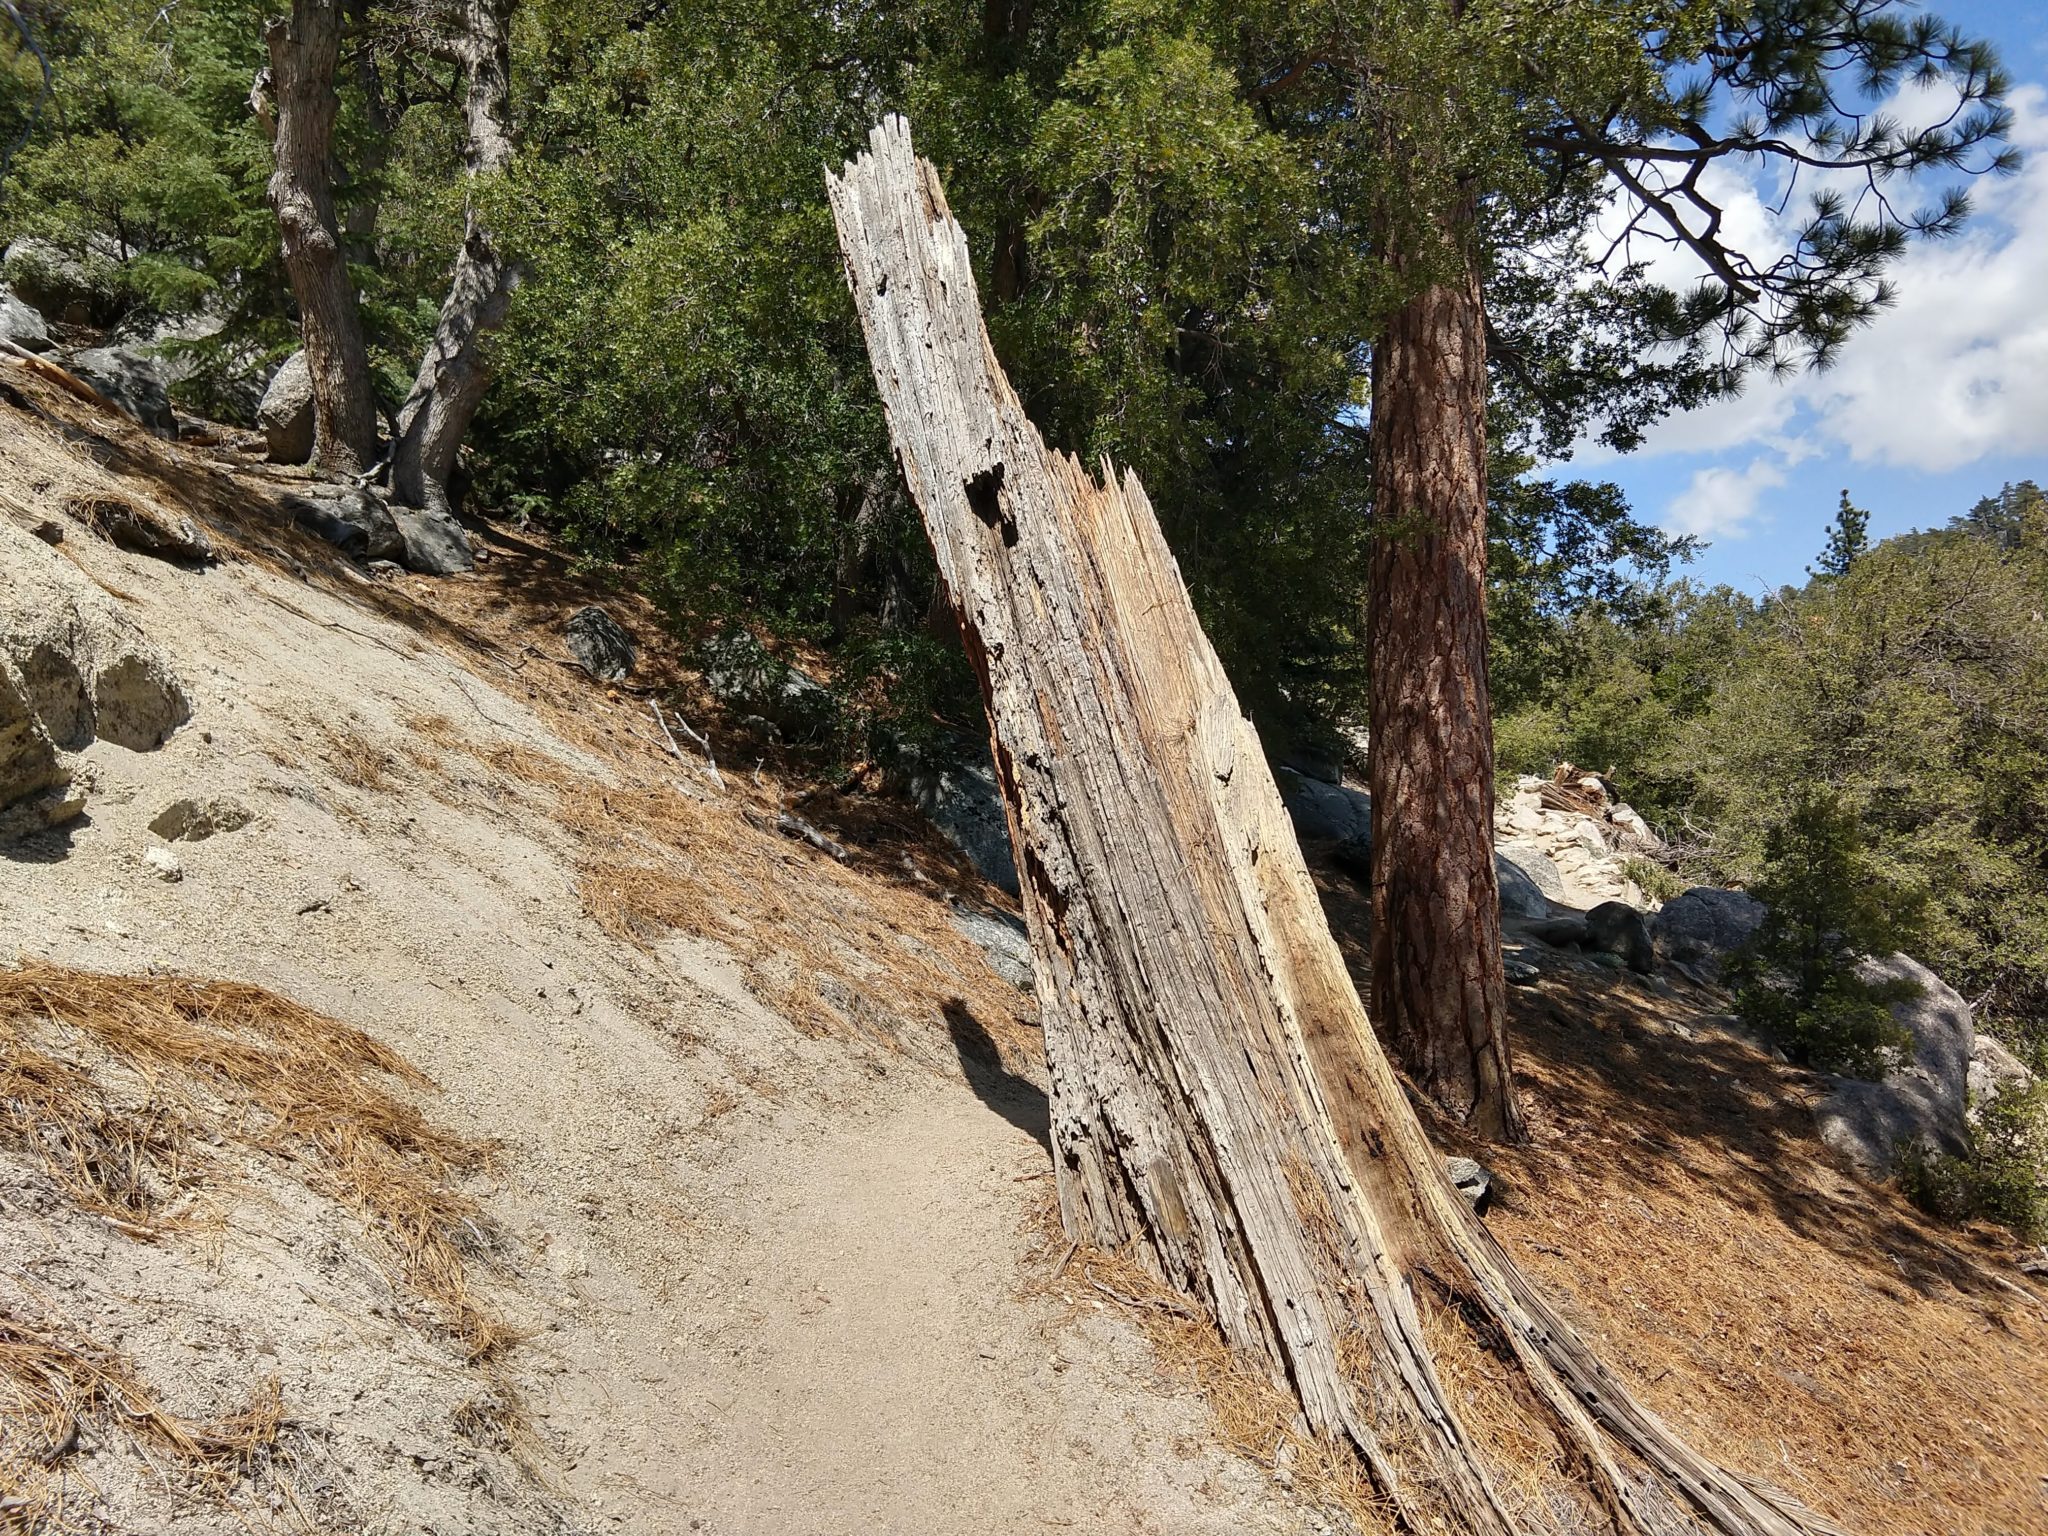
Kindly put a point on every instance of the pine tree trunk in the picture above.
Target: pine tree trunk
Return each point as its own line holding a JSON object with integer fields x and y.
{"x": 1220, "y": 1106}
{"x": 1438, "y": 993}
{"x": 304, "y": 52}
{"x": 452, "y": 378}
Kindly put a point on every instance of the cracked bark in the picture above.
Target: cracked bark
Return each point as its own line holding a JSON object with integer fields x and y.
{"x": 1220, "y": 1105}
{"x": 304, "y": 50}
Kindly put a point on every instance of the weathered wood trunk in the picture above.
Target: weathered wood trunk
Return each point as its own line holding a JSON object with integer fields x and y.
{"x": 304, "y": 52}
{"x": 453, "y": 377}
{"x": 1220, "y": 1106}
{"x": 1438, "y": 994}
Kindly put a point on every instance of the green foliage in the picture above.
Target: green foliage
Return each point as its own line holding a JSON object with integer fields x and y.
{"x": 1848, "y": 540}
{"x": 2001, "y": 1177}
{"x": 1654, "y": 880}
{"x": 1828, "y": 904}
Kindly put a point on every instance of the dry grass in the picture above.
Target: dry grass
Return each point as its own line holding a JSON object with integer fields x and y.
{"x": 56, "y": 1385}
{"x": 132, "y": 1089}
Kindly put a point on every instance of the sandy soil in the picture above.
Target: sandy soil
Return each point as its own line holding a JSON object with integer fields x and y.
{"x": 774, "y": 1282}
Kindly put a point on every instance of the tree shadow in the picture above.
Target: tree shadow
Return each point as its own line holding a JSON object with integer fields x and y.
{"x": 1017, "y": 1099}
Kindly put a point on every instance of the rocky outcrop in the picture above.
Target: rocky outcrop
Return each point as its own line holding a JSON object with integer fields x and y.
{"x": 351, "y": 518}
{"x": 1924, "y": 1100}
{"x": 74, "y": 669}
{"x": 128, "y": 378}
{"x": 962, "y": 801}
{"x": 59, "y": 285}
{"x": 1574, "y": 840}
{"x": 433, "y": 542}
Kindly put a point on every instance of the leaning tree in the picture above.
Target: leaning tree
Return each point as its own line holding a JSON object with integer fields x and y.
{"x": 1220, "y": 1104}
{"x": 1470, "y": 145}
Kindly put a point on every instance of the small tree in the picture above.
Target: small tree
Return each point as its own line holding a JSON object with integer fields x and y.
{"x": 1798, "y": 979}
{"x": 1848, "y": 540}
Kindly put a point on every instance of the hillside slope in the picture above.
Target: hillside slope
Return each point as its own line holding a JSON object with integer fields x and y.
{"x": 771, "y": 1267}
{"x": 731, "y": 1198}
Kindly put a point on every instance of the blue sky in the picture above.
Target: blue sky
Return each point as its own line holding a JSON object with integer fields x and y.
{"x": 1939, "y": 401}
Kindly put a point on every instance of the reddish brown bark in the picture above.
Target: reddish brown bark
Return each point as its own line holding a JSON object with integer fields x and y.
{"x": 1438, "y": 994}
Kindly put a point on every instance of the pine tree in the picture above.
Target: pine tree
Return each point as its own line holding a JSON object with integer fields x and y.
{"x": 1848, "y": 540}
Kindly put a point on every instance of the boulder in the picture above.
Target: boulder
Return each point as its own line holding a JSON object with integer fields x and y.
{"x": 352, "y": 518}
{"x": 131, "y": 381}
{"x": 1923, "y": 1101}
{"x": 62, "y": 286}
{"x": 1616, "y": 928}
{"x": 961, "y": 799}
{"x": 1520, "y": 897}
{"x": 1001, "y": 937}
{"x": 748, "y": 679}
{"x": 1701, "y": 926}
{"x": 74, "y": 669}
{"x": 285, "y": 413}
{"x": 1560, "y": 932}
{"x": 1529, "y": 856}
{"x": 600, "y": 644}
{"x": 1326, "y": 812}
{"x": 22, "y": 325}
{"x": 433, "y": 542}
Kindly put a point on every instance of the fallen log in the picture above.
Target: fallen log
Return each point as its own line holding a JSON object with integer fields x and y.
{"x": 1220, "y": 1106}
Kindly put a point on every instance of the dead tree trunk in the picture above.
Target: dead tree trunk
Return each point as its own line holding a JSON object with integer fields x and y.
{"x": 304, "y": 52}
{"x": 1220, "y": 1105}
{"x": 1438, "y": 992}
{"x": 452, "y": 378}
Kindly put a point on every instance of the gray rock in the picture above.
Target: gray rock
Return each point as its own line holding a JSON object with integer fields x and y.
{"x": 1560, "y": 932}
{"x": 286, "y": 412}
{"x": 434, "y": 543}
{"x": 1323, "y": 811}
{"x": 1924, "y": 1100}
{"x": 601, "y": 644}
{"x": 1520, "y": 897}
{"x": 1701, "y": 926}
{"x": 196, "y": 818}
{"x": 130, "y": 380}
{"x": 1616, "y": 928}
{"x": 1533, "y": 860}
{"x": 22, "y": 325}
{"x": 1993, "y": 1070}
{"x": 962, "y": 801}
{"x": 74, "y": 668}
{"x": 128, "y": 527}
{"x": 61, "y": 286}
{"x": 1520, "y": 973}
{"x": 1473, "y": 1181}
{"x": 163, "y": 863}
{"x": 744, "y": 676}
{"x": 351, "y": 518}
{"x": 1002, "y": 938}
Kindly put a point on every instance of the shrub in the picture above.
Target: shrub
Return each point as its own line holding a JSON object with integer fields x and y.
{"x": 1653, "y": 879}
{"x": 2002, "y": 1177}
{"x": 1797, "y": 979}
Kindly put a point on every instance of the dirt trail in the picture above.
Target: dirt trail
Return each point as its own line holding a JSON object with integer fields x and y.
{"x": 775, "y": 1283}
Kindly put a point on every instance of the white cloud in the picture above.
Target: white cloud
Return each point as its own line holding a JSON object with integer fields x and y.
{"x": 1956, "y": 371}
{"x": 1720, "y": 503}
